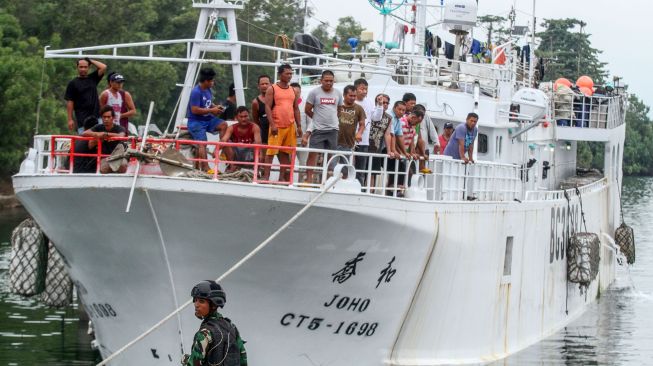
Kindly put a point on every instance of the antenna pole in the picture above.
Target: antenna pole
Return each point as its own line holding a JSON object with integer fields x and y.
{"x": 531, "y": 66}
{"x": 305, "y": 15}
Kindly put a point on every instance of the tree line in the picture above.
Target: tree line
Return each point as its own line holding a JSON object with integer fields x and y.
{"x": 568, "y": 51}
{"x": 32, "y": 88}
{"x": 31, "y": 85}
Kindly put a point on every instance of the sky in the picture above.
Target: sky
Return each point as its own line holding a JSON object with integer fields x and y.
{"x": 618, "y": 28}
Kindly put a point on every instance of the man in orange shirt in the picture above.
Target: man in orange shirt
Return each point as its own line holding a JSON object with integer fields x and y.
{"x": 285, "y": 123}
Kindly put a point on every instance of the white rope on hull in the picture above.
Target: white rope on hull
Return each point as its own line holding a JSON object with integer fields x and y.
{"x": 224, "y": 275}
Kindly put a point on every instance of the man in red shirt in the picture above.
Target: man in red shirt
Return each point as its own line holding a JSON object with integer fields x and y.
{"x": 446, "y": 135}
{"x": 242, "y": 132}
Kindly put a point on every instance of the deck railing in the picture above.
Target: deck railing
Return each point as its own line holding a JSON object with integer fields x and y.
{"x": 575, "y": 110}
{"x": 560, "y": 194}
{"x": 409, "y": 69}
{"x": 444, "y": 179}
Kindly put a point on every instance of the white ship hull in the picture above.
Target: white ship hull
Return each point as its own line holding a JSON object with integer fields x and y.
{"x": 452, "y": 298}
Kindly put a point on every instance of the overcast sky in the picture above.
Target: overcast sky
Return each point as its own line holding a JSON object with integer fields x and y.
{"x": 619, "y": 28}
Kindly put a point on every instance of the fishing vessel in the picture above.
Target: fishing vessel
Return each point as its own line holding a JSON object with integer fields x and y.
{"x": 465, "y": 263}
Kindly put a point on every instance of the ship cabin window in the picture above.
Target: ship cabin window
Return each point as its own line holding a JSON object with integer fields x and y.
{"x": 482, "y": 143}
{"x": 507, "y": 259}
{"x": 498, "y": 146}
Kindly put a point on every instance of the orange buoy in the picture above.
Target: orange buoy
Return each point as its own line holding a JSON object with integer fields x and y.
{"x": 562, "y": 81}
{"x": 587, "y": 91}
{"x": 585, "y": 81}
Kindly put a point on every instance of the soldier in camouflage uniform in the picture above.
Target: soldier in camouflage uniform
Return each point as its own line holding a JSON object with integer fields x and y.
{"x": 217, "y": 342}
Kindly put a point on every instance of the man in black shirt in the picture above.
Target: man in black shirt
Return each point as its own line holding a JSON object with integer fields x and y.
{"x": 229, "y": 113}
{"x": 81, "y": 93}
{"x": 85, "y": 164}
{"x": 105, "y": 131}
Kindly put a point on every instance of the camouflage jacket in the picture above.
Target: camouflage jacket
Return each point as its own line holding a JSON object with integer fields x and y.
{"x": 201, "y": 341}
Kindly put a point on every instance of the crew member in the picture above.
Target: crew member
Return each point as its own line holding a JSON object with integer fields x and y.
{"x": 217, "y": 342}
{"x": 81, "y": 93}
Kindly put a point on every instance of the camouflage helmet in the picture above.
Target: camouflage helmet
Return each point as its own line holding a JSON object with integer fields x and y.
{"x": 211, "y": 291}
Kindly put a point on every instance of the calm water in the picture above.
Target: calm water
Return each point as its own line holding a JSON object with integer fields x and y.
{"x": 616, "y": 330}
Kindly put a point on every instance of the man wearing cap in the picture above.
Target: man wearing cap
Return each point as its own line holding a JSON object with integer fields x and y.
{"x": 81, "y": 93}
{"x": 120, "y": 101}
{"x": 446, "y": 135}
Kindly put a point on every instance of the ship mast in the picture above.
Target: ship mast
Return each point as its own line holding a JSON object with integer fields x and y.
{"x": 210, "y": 13}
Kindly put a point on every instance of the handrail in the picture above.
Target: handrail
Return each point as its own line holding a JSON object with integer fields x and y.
{"x": 577, "y": 110}
{"x": 560, "y": 194}
{"x": 448, "y": 180}
{"x": 55, "y": 141}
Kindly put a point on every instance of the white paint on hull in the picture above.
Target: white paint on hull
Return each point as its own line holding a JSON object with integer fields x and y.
{"x": 447, "y": 302}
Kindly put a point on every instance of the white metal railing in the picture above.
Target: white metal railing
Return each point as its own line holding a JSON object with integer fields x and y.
{"x": 560, "y": 194}
{"x": 404, "y": 68}
{"x": 448, "y": 179}
{"x": 161, "y": 51}
{"x": 409, "y": 69}
{"x": 238, "y": 4}
{"x": 420, "y": 70}
{"x": 452, "y": 180}
{"x": 576, "y": 110}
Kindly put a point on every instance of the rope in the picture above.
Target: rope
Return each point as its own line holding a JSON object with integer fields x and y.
{"x": 165, "y": 256}
{"x": 227, "y": 273}
{"x": 582, "y": 212}
{"x": 272, "y": 33}
{"x": 285, "y": 42}
{"x": 621, "y": 205}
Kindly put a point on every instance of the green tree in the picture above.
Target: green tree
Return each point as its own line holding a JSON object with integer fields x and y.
{"x": 322, "y": 33}
{"x": 638, "y": 148}
{"x": 495, "y": 25}
{"x": 569, "y": 51}
{"x": 21, "y": 62}
{"x": 347, "y": 27}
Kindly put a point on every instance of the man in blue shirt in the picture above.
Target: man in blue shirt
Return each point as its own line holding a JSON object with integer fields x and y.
{"x": 463, "y": 140}
{"x": 202, "y": 113}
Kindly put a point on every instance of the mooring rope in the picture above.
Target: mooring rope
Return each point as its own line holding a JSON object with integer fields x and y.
{"x": 227, "y": 273}
{"x": 171, "y": 277}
